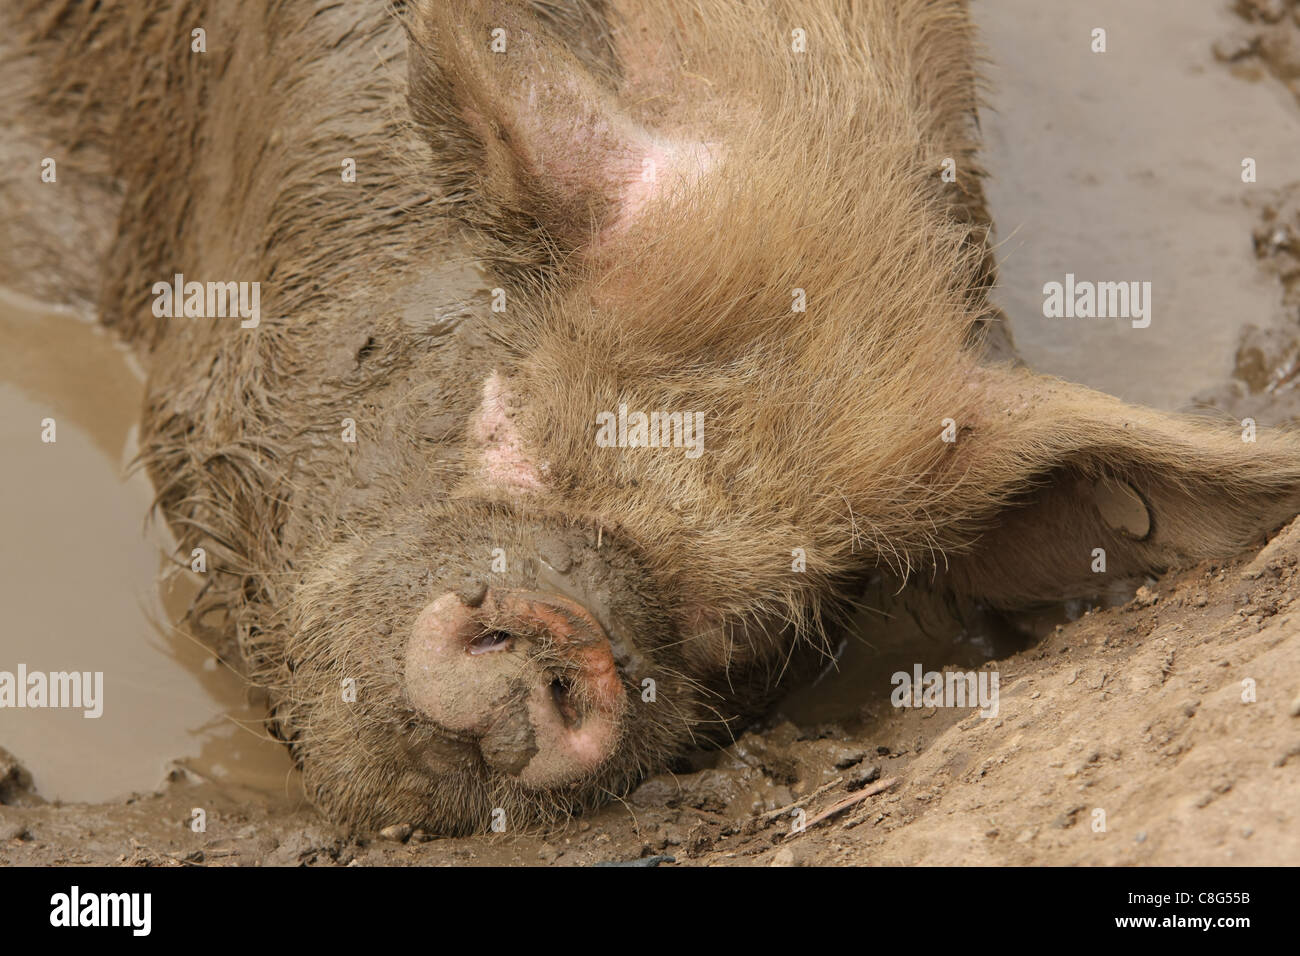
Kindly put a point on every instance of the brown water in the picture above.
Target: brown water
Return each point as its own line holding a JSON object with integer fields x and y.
{"x": 1126, "y": 165}
{"x": 79, "y": 582}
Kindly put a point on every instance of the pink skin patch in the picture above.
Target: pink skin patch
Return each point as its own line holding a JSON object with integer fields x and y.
{"x": 503, "y": 463}
{"x": 467, "y": 679}
{"x": 666, "y": 166}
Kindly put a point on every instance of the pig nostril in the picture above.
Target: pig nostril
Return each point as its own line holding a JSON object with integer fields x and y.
{"x": 490, "y": 641}
{"x": 561, "y": 694}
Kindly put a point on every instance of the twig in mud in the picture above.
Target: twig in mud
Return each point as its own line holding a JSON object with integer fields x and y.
{"x": 773, "y": 814}
{"x": 851, "y": 800}
{"x": 152, "y": 857}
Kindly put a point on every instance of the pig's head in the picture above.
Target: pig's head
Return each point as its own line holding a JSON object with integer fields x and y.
{"x": 651, "y": 197}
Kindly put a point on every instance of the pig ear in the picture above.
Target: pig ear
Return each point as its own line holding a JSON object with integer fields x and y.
{"x": 530, "y": 144}
{"x": 1080, "y": 492}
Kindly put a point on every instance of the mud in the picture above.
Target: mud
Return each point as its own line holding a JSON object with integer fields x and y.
{"x": 1265, "y": 373}
{"x": 1176, "y": 712}
{"x": 81, "y": 523}
{"x": 1263, "y": 49}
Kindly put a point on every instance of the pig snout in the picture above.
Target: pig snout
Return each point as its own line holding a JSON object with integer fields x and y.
{"x": 530, "y": 676}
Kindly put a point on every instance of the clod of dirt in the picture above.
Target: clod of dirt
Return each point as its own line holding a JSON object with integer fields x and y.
{"x": 314, "y": 844}
{"x": 700, "y": 838}
{"x": 861, "y": 777}
{"x": 846, "y": 757}
{"x": 15, "y": 783}
{"x": 786, "y": 856}
{"x": 662, "y": 790}
{"x": 472, "y": 593}
{"x": 12, "y": 830}
{"x": 1145, "y": 597}
{"x": 1266, "y": 369}
{"x": 1271, "y": 41}
{"x": 1269, "y": 11}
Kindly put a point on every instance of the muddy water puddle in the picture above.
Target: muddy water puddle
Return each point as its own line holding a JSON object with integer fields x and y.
{"x": 79, "y": 582}
{"x": 1127, "y": 166}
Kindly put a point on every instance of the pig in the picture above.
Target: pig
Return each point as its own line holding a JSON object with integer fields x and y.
{"x": 639, "y": 336}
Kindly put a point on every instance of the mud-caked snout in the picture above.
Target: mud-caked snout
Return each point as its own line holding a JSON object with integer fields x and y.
{"x": 528, "y": 675}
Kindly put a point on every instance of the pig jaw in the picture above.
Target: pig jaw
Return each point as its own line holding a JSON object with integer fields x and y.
{"x": 530, "y": 676}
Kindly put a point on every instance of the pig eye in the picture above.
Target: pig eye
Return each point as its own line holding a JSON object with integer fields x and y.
{"x": 489, "y": 641}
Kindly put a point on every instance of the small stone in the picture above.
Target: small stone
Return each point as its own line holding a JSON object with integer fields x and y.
{"x": 13, "y": 830}
{"x": 784, "y": 857}
{"x": 647, "y": 861}
{"x": 861, "y": 777}
{"x": 15, "y": 782}
{"x": 1294, "y": 711}
{"x": 397, "y": 832}
{"x": 846, "y": 757}
{"x": 659, "y": 791}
